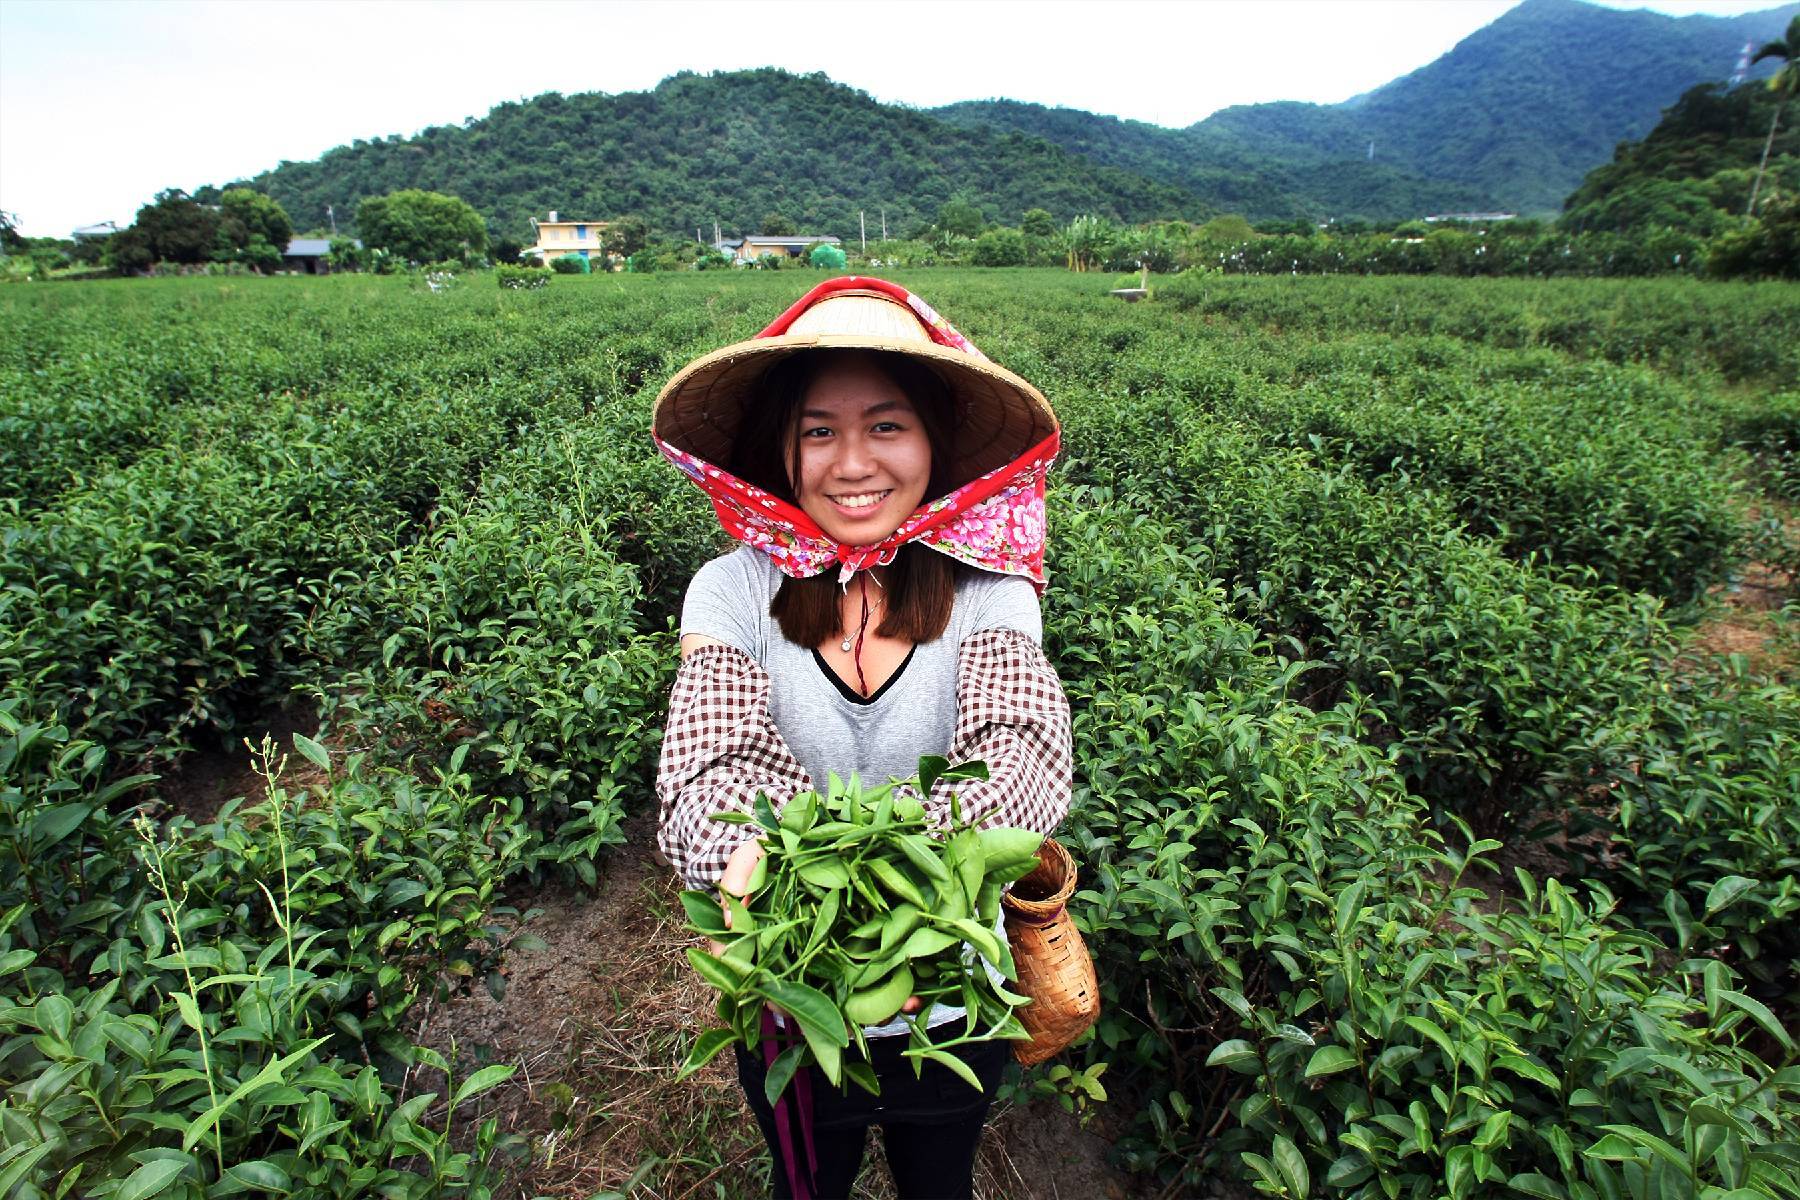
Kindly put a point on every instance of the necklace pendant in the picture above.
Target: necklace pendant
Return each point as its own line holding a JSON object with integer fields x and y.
{"x": 845, "y": 645}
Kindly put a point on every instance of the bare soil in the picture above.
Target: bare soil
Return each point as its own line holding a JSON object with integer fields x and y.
{"x": 202, "y": 782}
{"x": 600, "y": 1021}
{"x": 1748, "y": 621}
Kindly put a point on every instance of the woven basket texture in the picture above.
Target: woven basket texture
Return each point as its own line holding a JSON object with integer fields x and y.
{"x": 1055, "y": 969}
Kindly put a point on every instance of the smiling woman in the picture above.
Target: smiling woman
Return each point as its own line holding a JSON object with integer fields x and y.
{"x": 865, "y": 458}
{"x": 861, "y": 432}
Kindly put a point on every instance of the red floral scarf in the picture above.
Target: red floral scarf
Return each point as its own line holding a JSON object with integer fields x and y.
{"x": 995, "y": 521}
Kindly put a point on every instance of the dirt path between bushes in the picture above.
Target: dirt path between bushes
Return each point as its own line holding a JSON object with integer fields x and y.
{"x": 599, "y": 1021}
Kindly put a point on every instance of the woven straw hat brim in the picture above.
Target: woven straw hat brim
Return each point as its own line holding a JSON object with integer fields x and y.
{"x": 999, "y": 416}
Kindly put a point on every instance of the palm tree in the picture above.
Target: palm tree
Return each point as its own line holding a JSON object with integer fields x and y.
{"x": 1785, "y": 83}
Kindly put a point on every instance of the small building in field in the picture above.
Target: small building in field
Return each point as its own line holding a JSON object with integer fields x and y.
{"x": 309, "y": 256}
{"x": 755, "y": 245}
{"x": 1471, "y": 218}
{"x": 95, "y": 233}
{"x": 556, "y": 237}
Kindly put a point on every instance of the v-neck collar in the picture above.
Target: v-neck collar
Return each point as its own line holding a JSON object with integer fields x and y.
{"x": 849, "y": 693}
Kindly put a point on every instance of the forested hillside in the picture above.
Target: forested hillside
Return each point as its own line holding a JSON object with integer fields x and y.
{"x": 1694, "y": 170}
{"x": 1511, "y": 118}
{"x": 1526, "y": 106}
{"x": 1226, "y": 172}
{"x": 731, "y": 147}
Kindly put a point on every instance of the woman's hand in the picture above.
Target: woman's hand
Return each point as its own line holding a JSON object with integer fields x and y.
{"x": 736, "y": 881}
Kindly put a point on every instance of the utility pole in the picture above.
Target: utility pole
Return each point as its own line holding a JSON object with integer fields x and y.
{"x": 718, "y": 240}
{"x": 332, "y": 217}
{"x": 884, "y": 223}
{"x": 863, "y": 225}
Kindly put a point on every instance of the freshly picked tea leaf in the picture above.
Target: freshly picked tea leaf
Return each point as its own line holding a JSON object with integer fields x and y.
{"x": 860, "y": 903}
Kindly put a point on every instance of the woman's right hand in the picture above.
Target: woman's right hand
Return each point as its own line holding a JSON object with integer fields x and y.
{"x": 736, "y": 881}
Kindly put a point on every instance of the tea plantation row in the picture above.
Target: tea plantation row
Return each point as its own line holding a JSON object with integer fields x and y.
{"x": 1330, "y": 607}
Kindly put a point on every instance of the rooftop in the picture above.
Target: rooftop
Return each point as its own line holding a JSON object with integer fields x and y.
{"x": 311, "y": 248}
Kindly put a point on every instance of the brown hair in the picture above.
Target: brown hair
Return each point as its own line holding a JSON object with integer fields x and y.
{"x": 921, "y": 584}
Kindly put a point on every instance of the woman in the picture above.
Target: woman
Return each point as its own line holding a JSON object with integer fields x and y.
{"x": 887, "y": 482}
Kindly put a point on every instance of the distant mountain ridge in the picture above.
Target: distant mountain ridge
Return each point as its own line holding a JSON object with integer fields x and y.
{"x": 1512, "y": 117}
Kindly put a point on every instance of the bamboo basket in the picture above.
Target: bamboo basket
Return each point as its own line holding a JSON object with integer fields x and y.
{"x": 1055, "y": 970}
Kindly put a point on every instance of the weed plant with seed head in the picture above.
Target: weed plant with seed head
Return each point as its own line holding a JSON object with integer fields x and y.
{"x": 1350, "y": 578}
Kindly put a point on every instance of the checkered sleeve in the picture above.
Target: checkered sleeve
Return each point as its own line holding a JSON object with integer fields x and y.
{"x": 720, "y": 748}
{"x": 1012, "y": 715}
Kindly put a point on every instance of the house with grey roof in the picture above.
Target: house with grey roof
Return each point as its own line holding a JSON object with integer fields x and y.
{"x": 755, "y": 245}
{"x": 309, "y": 256}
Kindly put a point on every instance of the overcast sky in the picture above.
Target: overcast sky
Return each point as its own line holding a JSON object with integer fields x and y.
{"x": 103, "y": 103}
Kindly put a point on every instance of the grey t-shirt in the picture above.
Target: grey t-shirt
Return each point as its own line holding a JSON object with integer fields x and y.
{"x": 913, "y": 714}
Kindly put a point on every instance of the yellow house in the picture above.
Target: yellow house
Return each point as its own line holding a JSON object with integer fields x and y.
{"x": 556, "y": 238}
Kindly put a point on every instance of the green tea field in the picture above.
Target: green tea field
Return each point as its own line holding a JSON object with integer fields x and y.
{"x": 1432, "y": 646}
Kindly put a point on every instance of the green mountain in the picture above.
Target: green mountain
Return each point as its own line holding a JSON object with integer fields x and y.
{"x": 1512, "y": 117}
{"x": 1695, "y": 170}
{"x": 732, "y": 148}
{"x": 1227, "y": 173}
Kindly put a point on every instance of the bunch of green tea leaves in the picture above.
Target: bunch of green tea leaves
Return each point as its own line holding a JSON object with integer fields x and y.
{"x": 860, "y": 903}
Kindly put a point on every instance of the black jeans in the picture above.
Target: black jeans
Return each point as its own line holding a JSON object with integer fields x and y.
{"x": 931, "y": 1126}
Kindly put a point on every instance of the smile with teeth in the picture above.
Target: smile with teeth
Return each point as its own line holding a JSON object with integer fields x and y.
{"x": 861, "y": 499}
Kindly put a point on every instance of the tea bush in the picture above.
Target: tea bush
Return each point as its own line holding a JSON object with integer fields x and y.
{"x": 522, "y": 279}
{"x": 1737, "y": 331}
{"x": 191, "y": 1013}
{"x": 1258, "y": 877}
{"x": 512, "y": 643}
{"x": 1610, "y": 471}
{"x": 1708, "y": 829}
{"x": 168, "y": 596}
{"x": 1511, "y": 687}
{"x": 1768, "y": 426}
{"x": 1363, "y": 560}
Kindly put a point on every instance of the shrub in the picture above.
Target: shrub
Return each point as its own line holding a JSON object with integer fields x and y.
{"x": 1767, "y": 246}
{"x": 1262, "y": 895}
{"x": 1708, "y": 829}
{"x": 558, "y": 715}
{"x": 1514, "y": 688}
{"x": 216, "y": 1003}
{"x": 527, "y": 279}
{"x": 569, "y": 264}
{"x": 999, "y": 248}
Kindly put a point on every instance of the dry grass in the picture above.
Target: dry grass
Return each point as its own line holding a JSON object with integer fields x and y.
{"x": 599, "y": 1023}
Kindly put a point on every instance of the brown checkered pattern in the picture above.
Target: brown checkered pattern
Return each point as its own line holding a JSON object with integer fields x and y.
{"x": 721, "y": 747}
{"x": 1012, "y": 715}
